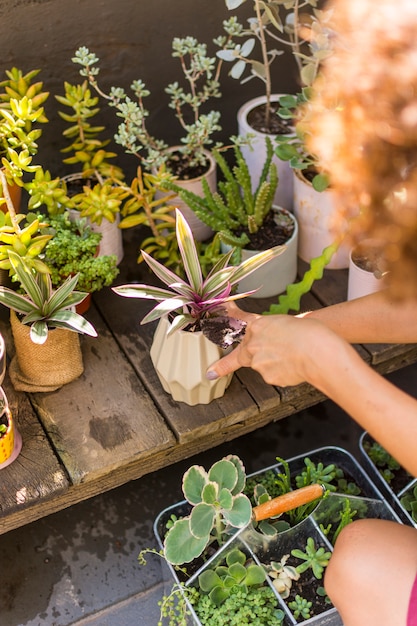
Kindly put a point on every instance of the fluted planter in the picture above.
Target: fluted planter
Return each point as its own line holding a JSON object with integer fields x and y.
{"x": 181, "y": 361}
{"x": 255, "y": 155}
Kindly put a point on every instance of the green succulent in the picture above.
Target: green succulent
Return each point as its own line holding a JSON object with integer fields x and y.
{"x": 315, "y": 558}
{"x": 41, "y": 307}
{"x": 217, "y": 504}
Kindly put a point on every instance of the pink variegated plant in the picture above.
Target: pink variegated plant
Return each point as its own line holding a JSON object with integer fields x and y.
{"x": 197, "y": 303}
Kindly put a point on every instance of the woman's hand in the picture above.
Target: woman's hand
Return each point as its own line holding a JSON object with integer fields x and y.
{"x": 285, "y": 350}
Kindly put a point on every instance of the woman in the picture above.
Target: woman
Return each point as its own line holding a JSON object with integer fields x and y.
{"x": 364, "y": 116}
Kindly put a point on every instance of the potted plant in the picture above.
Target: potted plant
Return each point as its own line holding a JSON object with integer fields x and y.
{"x": 298, "y": 27}
{"x": 10, "y": 438}
{"x": 366, "y": 269}
{"x": 188, "y": 309}
{"x": 21, "y": 109}
{"x": 45, "y": 329}
{"x": 74, "y": 249}
{"x": 293, "y": 549}
{"x": 190, "y": 160}
{"x": 249, "y": 221}
{"x": 92, "y": 189}
{"x": 314, "y": 203}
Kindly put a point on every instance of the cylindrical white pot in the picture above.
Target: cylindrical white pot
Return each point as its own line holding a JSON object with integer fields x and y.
{"x": 181, "y": 361}
{"x": 362, "y": 282}
{"x": 314, "y": 211}
{"x": 256, "y": 154}
{"x": 201, "y": 231}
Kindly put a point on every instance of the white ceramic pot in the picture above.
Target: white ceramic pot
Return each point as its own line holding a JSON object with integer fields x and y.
{"x": 201, "y": 231}
{"x": 272, "y": 278}
{"x": 255, "y": 156}
{"x": 315, "y": 211}
{"x": 181, "y": 361}
{"x": 365, "y": 278}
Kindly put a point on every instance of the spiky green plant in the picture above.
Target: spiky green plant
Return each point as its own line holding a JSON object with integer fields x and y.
{"x": 43, "y": 308}
{"x": 193, "y": 300}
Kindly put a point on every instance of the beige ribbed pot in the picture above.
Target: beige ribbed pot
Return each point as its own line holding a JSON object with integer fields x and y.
{"x": 181, "y": 361}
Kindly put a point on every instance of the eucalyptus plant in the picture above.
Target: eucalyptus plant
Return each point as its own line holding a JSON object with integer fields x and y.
{"x": 201, "y": 77}
{"x": 192, "y": 303}
{"x": 294, "y": 25}
{"x": 41, "y": 307}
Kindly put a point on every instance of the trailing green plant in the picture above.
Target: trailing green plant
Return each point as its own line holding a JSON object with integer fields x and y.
{"x": 234, "y": 210}
{"x": 282, "y": 575}
{"x": 201, "y": 77}
{"x": 300, "y": 607}
{"x": 41, "y": 307}
{"x": 385, "y": 463}
{"x": 313, "y": 558}
{"x": 224, "y": 580}
{"x": 291, "y": 299}
{"x": 73, "y": 249}
{"x": 196, "y": 303}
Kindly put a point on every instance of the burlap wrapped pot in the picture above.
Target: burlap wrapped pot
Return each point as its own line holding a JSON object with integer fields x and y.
{"x": 44, "y": 367}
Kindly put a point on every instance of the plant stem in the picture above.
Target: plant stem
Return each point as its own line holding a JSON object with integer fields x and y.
{"x": 9, "y": 203}
{"x": 265, "y": 62}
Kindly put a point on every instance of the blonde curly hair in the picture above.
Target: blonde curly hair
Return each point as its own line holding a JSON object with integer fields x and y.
{"x": 363, "y": 121}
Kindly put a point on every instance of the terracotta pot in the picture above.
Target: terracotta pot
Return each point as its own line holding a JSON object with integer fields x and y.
{"x": 16, "y": 196}
{"x": 256, "y": 154}
{"x": 10, "y": 441}
{"x": 181, "y": 361}
{"x": 314, "y": 211}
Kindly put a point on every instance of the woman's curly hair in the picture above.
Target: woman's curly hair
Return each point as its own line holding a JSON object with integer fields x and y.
{"x": 363, "y": 122}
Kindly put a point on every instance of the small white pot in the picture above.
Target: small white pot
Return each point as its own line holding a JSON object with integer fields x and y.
{"x": 256, "y": 154}
{"x": 181, "y": 361}
{"x": 201, "y": 231}
{"x": 111, "y": 238}
{"x": 315, "y": 211}
{"x": 362, "y": 282}
{"x": 272, "y": 278}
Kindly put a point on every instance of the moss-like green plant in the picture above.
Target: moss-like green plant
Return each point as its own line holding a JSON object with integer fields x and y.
{"x": 217, "y": 504}
{"x": 409, "y": 502}
{"x": 315, "y": 558}
{"x": 236, "y": 574}
{"x": 73, "y": 249}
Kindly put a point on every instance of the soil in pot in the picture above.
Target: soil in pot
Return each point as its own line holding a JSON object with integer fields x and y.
{"x": 276, "y": 126}
{"x": 276, "y": 230}
{"x": 368, "y": 260}
{"x": 179, "y": 165}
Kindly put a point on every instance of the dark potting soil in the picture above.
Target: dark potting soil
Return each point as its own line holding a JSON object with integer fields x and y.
{"x": 306, "y": 587}
{"x": 276, "y": 229}
{"x": 179, "y": 165}
{"x": 257, "y": 120}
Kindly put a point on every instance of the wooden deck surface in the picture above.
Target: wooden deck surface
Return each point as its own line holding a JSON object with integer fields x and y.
{"x": 115, "y": 423}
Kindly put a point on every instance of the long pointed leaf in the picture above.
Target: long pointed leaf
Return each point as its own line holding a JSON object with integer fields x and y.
{"x": 163, "y": 308}
{"x": 188, "y": 252}
{"x": 72, "y": 321}
{"x": 146, "y": 292}
{"x": 253, "y": 263}
{"x": 57, "y": 301}
{"x": 162, "y": 272}
{"x": 26, "y": 278}
{"x": 15, "y": 301}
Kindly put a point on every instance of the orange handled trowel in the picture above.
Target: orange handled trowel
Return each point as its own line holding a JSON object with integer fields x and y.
{"x": 287, "y": 502}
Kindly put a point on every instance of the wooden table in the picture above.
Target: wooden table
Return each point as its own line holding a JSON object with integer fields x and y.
{"x": 115, "y": 423}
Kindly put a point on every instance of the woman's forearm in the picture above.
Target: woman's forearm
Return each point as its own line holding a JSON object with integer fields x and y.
{"x": 371, "y": 319}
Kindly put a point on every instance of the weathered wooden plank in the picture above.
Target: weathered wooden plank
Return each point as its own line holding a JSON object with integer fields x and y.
{"x": 36, "y": 475}
{"x": 105, "y": 418}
